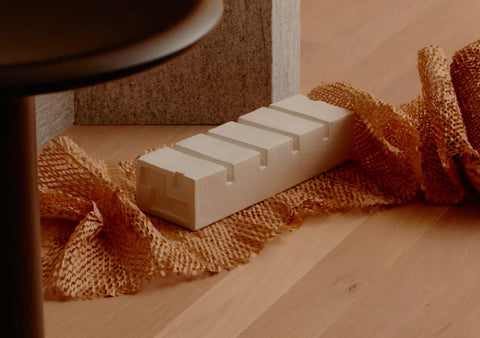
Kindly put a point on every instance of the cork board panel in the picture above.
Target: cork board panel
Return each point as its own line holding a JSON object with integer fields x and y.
{"x": 227, "y": 74}
{"x": 54, "y": 115}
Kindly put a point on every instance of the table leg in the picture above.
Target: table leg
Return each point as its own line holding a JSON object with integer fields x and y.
{"x": 22, "y": 304}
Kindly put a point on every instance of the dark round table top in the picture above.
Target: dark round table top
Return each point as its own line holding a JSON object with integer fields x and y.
{"x": 52, "y": 45}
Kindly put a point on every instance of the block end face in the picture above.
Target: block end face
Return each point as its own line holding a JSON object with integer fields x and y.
{"x": 167, "y": 184}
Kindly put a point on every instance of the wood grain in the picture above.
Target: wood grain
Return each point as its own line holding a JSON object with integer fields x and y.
{"x": 411, "y": 271}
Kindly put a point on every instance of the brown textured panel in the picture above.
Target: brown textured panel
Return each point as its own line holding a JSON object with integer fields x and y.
{"x": 55, "y": 114}
{"x": 226, "y": 75}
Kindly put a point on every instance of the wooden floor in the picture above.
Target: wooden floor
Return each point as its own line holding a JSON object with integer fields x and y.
{"x": 412, "y": 271}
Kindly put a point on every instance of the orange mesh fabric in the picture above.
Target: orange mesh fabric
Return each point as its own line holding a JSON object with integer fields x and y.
{"x": 97, "y": 243}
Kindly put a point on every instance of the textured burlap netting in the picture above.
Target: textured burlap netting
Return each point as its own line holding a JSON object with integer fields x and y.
{"x": 97, "y": 243}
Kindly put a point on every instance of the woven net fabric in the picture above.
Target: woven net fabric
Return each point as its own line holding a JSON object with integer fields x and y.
{"x": 97, "y": 243}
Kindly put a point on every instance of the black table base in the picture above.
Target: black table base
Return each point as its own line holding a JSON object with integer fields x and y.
{"x": 21, "y": 269}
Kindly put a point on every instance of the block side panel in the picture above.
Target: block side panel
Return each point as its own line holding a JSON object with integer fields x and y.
{"x": 54, "y": 115}
{"x": 286, "y": 48}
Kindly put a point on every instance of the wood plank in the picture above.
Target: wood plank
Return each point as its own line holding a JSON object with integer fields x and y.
{"x": 248, "y": 291}
{"x": 374, "y": 44}
{"x": 431, "y": 290}
{"x": 140, "y": 314}
{"x": 344, "y": 277}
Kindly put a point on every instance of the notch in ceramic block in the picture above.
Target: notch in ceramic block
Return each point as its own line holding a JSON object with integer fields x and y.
{"x": 283, "y": 123}
{"x": 178, "y": 177}
{"x": 335, "y": 118}
{"x": 233, "y": 157}
{"x": 257, "y": 139}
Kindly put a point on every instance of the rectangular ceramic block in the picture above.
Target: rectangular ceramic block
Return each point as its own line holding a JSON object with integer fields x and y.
{"x": 205, "y": 178}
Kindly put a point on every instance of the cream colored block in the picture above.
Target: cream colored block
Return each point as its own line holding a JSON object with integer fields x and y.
{"x": 209, "y": 177}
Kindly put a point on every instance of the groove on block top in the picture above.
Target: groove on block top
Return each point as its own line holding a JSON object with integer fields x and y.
{"x": 229, "y": 155}
{"x": 260, "y": 140}
{"x": 282, "y": 123}
{"x": 318, "y": 111}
